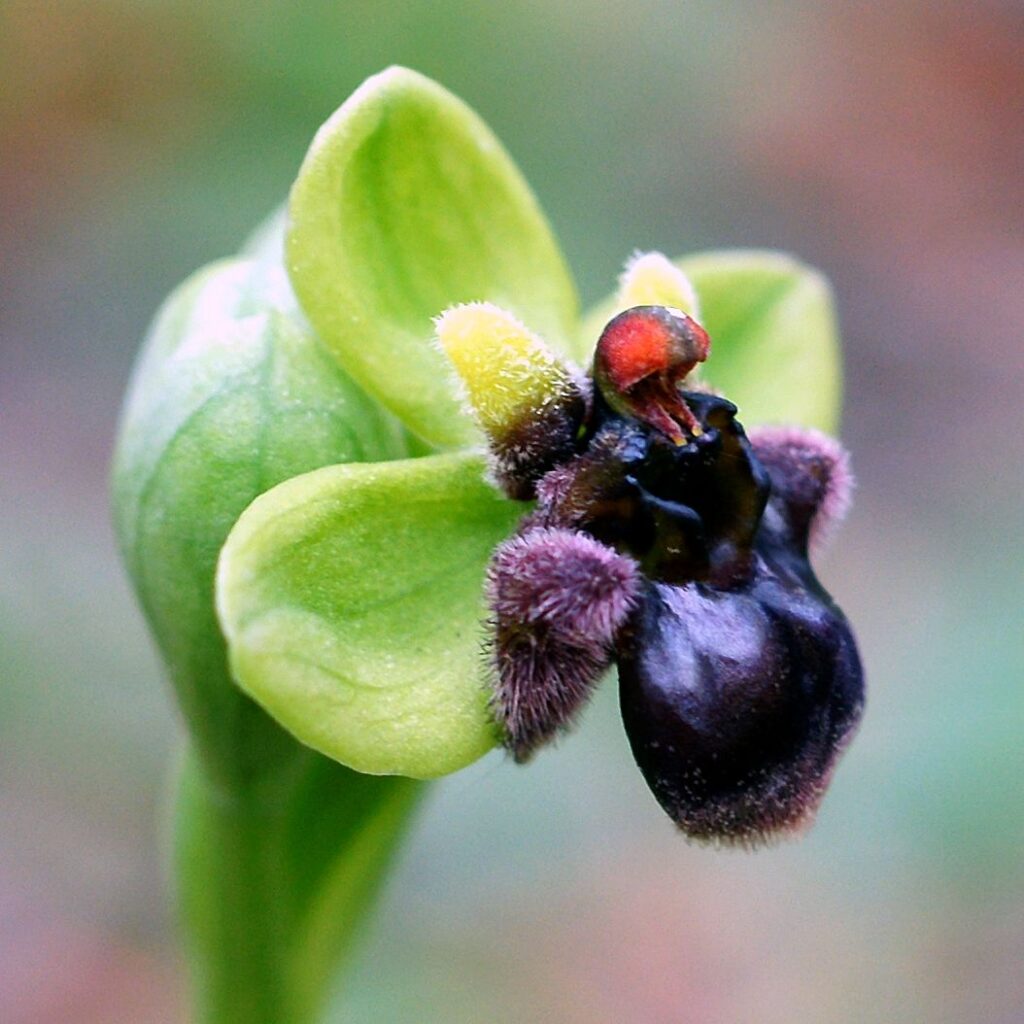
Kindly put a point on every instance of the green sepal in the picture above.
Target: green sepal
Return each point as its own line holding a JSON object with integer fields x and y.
{"x": 405, "y": 205}
{"x": 352, "y": 600}
{"x": 774, "y": 338}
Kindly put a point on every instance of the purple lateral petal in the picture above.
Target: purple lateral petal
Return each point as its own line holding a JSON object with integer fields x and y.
{"x": 558, "y": 598}
{"x": 564, "y": 580}
{"x": 528, "y": 448}
{"x": 811, "y": 476}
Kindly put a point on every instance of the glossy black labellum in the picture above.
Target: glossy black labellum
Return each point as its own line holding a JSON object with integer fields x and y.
{"x": 740, "y": 682}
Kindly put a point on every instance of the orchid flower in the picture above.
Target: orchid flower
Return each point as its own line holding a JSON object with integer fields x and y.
{"x": 390, "y": 501}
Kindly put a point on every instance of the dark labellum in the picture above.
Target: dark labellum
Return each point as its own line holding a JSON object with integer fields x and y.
{"x": 676, "y": 546}
{"x": 739, "y": 688}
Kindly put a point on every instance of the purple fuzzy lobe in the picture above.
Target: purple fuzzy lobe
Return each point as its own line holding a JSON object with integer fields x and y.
{"x": 553, "y": 488}
{"x": 557, "y": 599}
{"x": 566, "y": 580}
{"x": 541, "y": 683}
{"x": 809, "y": 470}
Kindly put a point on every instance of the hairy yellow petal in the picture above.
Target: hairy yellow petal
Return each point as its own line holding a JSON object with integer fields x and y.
{"x": 507, "y": 372}
{"x": 651, "y": 279}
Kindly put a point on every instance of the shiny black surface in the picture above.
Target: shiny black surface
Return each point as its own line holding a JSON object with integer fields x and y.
{"x": 739, "y": 676}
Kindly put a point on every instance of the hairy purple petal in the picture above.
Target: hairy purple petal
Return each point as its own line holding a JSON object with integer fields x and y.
{"x": 529, "y": 402}
{"x": 558, "y": 599}
{"x": 528, "y": 448}
{"x": 811, "y": 478}
{"x": 565, "y": 580}
{"x": 541, "y": 683}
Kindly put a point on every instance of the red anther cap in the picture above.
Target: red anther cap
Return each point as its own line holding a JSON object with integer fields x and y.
{"x": 641, "y": 356}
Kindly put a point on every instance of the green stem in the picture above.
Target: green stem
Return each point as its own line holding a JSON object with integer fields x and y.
{"x": 274, "y": 881}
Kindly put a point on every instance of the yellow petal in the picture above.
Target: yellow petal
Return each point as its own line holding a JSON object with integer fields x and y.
{"x": 507, "y": 372}
{"x": 651, "y": 279}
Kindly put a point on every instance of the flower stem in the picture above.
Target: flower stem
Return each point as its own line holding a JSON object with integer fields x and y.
{"x": 273, "y": 882}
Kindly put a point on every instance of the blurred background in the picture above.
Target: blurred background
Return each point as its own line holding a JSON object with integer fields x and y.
{"x": 882, "y": 142}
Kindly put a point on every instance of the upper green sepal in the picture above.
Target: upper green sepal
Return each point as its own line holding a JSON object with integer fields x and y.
{"x": 352, "y": 601}
{"x": 774, "y": 338}
{"x": 405, "y": 205}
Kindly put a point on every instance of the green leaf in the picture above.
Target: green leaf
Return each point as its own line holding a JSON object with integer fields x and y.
{"x": 352, "y": 600}
{"x": 407, "y": 204}
{"x": 225, "y": 403}
{"x": 774, "y": 339}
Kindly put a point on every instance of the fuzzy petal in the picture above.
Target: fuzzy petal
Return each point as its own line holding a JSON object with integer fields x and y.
{"x": 811, "y": 479}
{"x": 558, "y": 599}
